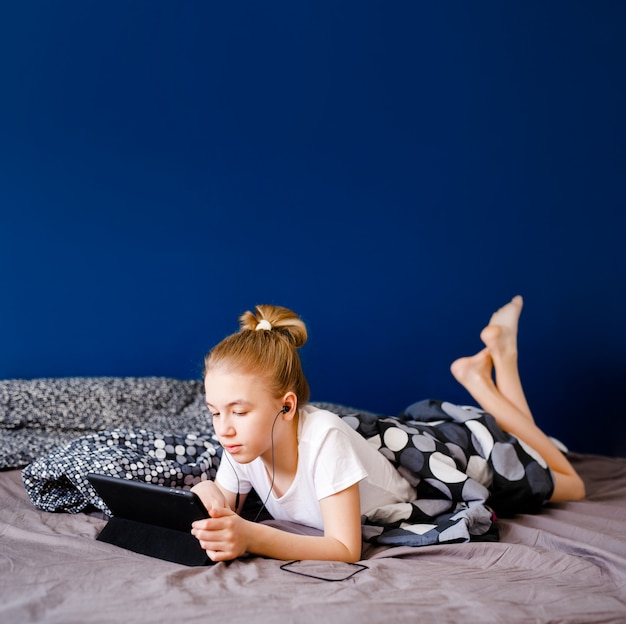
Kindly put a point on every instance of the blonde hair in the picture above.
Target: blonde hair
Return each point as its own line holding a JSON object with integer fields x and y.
{"x": 268, "y": 352}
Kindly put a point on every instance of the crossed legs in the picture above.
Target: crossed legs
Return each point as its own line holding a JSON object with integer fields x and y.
{"x": 504, "y": 398}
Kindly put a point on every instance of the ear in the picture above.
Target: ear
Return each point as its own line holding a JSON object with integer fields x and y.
{"x": 290, "y": 400}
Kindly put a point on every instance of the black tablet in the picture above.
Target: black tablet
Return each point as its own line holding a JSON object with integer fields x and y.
{"x": 151, "y": 519}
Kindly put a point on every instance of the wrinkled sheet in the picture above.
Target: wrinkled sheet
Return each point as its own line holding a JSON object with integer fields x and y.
{"x": 567, "y": 563}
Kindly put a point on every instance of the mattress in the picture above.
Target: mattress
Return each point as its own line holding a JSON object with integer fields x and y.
{"x": 564, "y": 564}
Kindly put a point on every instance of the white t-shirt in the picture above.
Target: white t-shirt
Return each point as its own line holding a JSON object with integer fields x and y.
{"x": 332, "y": 456}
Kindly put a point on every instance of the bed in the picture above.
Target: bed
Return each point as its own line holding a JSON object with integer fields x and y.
{"x": 566, "y": 563}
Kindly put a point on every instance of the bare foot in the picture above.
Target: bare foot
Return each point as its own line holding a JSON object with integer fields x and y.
{"x": 475, "y": 368}
{"x": 500, "y": 335}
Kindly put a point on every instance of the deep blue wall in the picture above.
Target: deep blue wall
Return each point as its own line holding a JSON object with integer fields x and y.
{"x": 391, "y": 171}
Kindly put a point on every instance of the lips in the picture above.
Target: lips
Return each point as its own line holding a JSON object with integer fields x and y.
{"x": 232, "y": 448}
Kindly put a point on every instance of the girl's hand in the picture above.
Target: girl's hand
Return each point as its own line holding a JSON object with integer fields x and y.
{"x": 222, "y": 535}
{"x": 225, "y": 535}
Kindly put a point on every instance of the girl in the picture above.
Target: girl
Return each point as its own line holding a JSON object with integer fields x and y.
{"x": 316, "y": 470}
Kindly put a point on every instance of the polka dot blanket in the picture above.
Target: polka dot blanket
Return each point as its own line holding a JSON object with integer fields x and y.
{"x": 464, "y": 468}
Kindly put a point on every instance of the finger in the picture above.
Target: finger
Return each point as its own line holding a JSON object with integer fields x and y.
{"x": 215, "y": 534}
{"x": 219, "y": 511}
{"x": 218, "y": 555}
{"x": 210, "y": 545}
{"x": 216, "y": 548}
{"x": 205, "y": 535}
{"x": 206, "y": 524}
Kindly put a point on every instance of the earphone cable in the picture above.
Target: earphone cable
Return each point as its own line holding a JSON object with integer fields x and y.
{"x": 273, "y": 466}
{"x": 272, "y": 479}
{"x": 225, "y": 453}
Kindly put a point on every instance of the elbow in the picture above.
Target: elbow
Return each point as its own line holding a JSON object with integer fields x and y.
{"x": 351, "y": 558}
{"x": 352, "y": 555}
{"x": 581, "y": 491}
{"x": 345, "y": 553}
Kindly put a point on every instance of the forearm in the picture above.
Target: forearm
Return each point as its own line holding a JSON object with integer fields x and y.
{"x": 226, "y": 536}
{"x": 212, "y": 494}
{"x": 271, "y": 542}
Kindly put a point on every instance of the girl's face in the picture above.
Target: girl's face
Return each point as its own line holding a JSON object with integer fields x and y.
{"x": 243, "y": 413}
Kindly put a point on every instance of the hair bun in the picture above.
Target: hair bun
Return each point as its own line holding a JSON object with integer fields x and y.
{"x": 278, "y": 319}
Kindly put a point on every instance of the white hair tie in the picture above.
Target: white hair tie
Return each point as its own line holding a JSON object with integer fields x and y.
{"x": 264, "y": 324}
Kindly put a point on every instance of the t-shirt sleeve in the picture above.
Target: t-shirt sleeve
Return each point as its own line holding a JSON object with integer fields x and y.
{"x": 337, "y": 465}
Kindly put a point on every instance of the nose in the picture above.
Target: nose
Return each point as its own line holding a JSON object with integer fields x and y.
{"x": 224, "y": 426}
